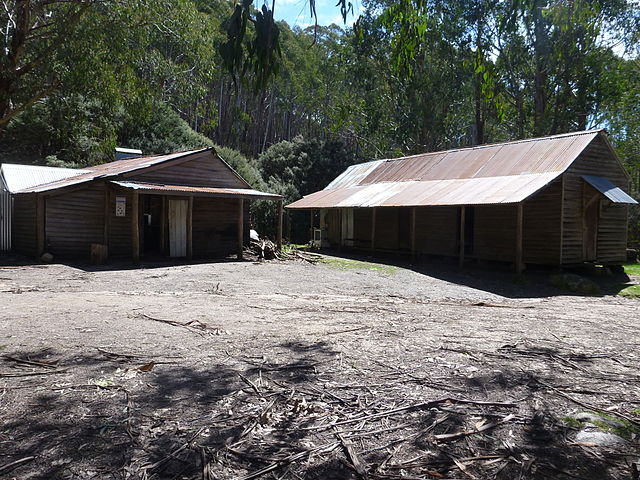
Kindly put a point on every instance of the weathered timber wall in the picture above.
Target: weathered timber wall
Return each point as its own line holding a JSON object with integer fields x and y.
{"x": 215, "y": 226}
{"x": 541, "y": 226}
{"x": 204, "y": 170}
{"x": 332, "y": 222}
{"x": 23, "y": 231}
{"x": 362, "y": 227}
{"x": 495, "y": 232}
{"x": 5, "y": 219}
{"x": 612, "y": 233}
{"x": 75, "y": 220}
{"x": 596, "y": 159}
{"x": 387, "y": 228}
{"x": 437, "y": 230}
{"x": 119, "y": 227}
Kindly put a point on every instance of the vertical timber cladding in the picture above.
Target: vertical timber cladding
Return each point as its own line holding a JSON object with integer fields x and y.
{"x": 596, "y": 159}
{"x": 5, "y": 220}
{"x": 215, "y": 226}
{"x": 119, "y": 226}
{"x": 331, "y": 226}
{"x": 541, "y": 232}
{"x": 23, "y": 228}
{"x": 75, "y": 220}
{"x": 437, "y": 230}
{"x": 495, "y": 232}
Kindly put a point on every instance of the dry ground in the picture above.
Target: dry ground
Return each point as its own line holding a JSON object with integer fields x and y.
{"x": 290, "y": 370}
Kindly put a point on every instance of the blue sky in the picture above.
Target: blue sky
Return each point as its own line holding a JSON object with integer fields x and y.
{"x": 296, "y": 12}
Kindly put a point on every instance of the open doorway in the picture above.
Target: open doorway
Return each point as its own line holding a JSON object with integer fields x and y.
{"x": 590, "y": 220}
{"x": 151, "y": 230}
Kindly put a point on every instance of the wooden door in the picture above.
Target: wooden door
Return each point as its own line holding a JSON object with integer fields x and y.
{"x": 178, "y": 227}
{"x": 591, "y": 212}
{"x": 347, "y": 227}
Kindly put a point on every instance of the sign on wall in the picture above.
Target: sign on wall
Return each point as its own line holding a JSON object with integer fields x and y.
{"x": 121, "y": 206}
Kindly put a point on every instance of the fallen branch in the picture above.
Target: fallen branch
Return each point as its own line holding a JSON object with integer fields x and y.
{"x": 408, "y": 408}
{"x": 31, "y": 362}
{"x": 353, "y": 457}
{"x": 454, "y": 436}
{"x": 290, "y": 459}
{"x": 195, "y": 326}
{"x": 10, "y": 466}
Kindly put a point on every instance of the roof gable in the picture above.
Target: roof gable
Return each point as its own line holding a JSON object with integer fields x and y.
{"x": 126, "y": 167}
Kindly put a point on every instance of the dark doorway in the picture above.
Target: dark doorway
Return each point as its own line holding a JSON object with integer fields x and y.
{"x": 404, "y": 228}
{"x": 469, "y": 229}
{"x": 151, "y": 225}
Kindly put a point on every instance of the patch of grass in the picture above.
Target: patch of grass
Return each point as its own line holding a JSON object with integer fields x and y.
{"x": 348, "y": 264}
{"x": 632, "y": 291}
{"x": 572, "y": 422}
{"x": 623, "y": 428}
{"x": 632, "y": 269}
{"x": 636, "y": 411}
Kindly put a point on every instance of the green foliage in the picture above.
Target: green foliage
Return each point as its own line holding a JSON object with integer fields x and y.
{"x": 245, "y": 167}
{"x": 300, "y": 167}
{"x": 160, "y": 130}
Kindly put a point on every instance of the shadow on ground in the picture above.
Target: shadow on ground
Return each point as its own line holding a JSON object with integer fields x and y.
{"x": 498, "y": 277}
{"x": 111, "y": 415}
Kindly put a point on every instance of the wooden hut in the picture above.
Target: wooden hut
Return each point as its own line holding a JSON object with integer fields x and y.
{"x": 186, "y": 204}
{"x": 554, "y": 200}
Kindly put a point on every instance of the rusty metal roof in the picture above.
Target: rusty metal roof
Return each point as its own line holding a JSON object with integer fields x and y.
{"x": 110, "y": 169}
{"x": 459, "y": 191}
{"x": 205, "y": 191}
{"x": 496, "y": 173}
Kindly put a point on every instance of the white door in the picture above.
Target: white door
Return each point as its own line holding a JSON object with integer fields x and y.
{"x": 347, "y": 226}
{"x": 178, "y": 228}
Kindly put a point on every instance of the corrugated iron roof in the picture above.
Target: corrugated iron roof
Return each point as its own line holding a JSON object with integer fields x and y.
{"x": 539, "y": 155}
{"x": 18, "y": 177}
{"x": 485, "y": 174}
{"x": 609, "y": 190}
{"x": 111, "y": 169}
{"x": 459, "y": 191}
{"x": 210, "y": 191}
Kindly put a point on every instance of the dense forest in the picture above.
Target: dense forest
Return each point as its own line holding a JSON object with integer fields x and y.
{"x": 291, "y": 107}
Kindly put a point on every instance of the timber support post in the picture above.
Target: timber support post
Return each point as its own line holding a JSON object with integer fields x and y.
{"x": 340, "y": 220}
{"x": 311, "y": 226}
{"x": 373, "y": 231}
{"x": 279, "y": 230}
{"x": 190, "y": 229}
{"x": 413, "y": 234}
{"x": 519, "y": 223}
{"x": 240, "y": 227}
{"x": 107, "y": 216}
{"x": 40, "y": 225}
{"x": 163, "y": 225}
{"x": 135, "y": 228}
{"x": 462, "y": 235}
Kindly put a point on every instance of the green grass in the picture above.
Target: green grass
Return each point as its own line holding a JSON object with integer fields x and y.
{"x": 632, "y": 269}
{"x": 347, "y": 264}
{"x": 624, "y": 429}
{"x": 632, "y": 291}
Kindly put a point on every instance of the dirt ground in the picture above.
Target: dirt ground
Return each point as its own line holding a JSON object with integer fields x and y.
{"x": 290, "y": 370}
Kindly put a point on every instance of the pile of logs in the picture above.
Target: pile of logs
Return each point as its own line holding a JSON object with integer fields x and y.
{"x": 265, "y": 249}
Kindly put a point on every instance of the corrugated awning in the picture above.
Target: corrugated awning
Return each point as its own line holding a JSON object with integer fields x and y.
{"x": 461, "y": 191}
{"x": 609, "y": 190}
{"x": 168, "y": 189}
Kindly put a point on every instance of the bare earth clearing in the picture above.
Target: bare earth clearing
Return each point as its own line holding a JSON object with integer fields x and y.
{"x": 291, "y": 370}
